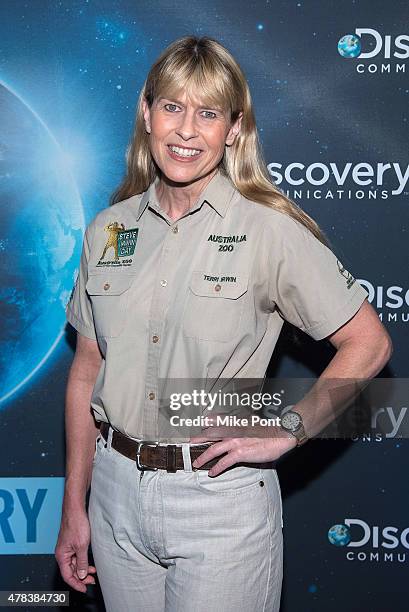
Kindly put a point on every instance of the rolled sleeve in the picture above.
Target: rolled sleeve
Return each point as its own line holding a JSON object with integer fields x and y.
{"x": 79, "y": 310}
{"x": 309, "y": 285}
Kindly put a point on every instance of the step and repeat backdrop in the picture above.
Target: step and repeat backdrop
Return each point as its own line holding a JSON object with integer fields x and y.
{"x": 330, "y": 88}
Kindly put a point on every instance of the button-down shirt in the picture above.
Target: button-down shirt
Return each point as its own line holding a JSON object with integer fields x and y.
{"x": 201, "y": 297}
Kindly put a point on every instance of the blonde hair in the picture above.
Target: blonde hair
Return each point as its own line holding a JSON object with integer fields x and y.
{"x": 201, "y": 64}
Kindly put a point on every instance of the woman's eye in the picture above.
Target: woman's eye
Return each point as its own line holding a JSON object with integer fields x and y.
{"x": 207, "y": 113}
{"x": 172, "y": 108}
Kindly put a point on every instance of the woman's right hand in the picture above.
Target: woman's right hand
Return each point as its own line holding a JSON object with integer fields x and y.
{"x": 71, "y": 550}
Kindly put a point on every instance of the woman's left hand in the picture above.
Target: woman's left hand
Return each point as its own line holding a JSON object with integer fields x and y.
{"x": 252, "y": 445}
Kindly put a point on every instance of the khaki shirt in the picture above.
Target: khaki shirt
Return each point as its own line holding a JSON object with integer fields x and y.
{"x": 201, "y": 297}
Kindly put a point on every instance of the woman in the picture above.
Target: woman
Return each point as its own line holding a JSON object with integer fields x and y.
{"x": 190, "y": 275}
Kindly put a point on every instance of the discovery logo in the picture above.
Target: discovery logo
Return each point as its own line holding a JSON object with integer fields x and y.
{"x": 339, "y": 181}
{"x": 387, "y": 544}
{"x": 387, "y": 423}
{"x": 381, "y": 46}
{"x": 30, "y": 515}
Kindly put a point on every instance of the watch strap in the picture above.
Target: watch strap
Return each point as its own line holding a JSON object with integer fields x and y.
{"x": 301, "y": 436}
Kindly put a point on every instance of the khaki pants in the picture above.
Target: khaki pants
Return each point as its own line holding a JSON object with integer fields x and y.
{"x": 184, "y": 541}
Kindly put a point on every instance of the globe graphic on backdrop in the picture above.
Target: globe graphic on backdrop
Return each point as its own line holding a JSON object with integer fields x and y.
{"x": 41, "y": 229}
{"x": 349, "y": 45}
{"x": 339, "y": 535}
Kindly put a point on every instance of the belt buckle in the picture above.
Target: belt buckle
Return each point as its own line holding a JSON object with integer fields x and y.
{"x": 140, "y": 465}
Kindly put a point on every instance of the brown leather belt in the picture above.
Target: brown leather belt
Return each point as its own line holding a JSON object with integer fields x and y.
{"x": 151, "y": 456}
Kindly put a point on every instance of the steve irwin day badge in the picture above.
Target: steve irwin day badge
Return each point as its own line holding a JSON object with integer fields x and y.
{"x": 120, "y": 243}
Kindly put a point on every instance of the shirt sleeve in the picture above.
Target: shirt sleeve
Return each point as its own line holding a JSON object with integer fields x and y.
{"x": 79, "y": 310}
{"x": 309, "y": 285}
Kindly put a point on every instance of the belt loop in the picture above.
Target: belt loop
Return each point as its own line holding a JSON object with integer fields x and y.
{"x": 171, "y": 458}
{"x": 187, "y": 460}
{"x": 109, "y": 439}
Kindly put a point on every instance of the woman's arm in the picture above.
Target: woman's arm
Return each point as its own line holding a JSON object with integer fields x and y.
{"x": 71, "y": 550}
{"x": 80, "y": 427}
{"x": 363, "y": 348}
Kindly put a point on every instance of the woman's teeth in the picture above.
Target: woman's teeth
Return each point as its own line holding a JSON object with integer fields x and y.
{"x": 185, "y": 152}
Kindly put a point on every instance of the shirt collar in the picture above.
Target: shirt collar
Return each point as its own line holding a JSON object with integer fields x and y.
{"x": 217, "y": 193}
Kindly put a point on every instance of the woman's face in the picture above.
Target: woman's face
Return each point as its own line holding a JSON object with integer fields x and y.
{"x": 187, "y": 139}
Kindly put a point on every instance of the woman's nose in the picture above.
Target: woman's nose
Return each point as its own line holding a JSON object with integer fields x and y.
{"x": 187, "y": 126}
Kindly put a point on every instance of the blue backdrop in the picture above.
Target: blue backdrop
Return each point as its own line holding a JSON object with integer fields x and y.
{"x": 331, "y": 96}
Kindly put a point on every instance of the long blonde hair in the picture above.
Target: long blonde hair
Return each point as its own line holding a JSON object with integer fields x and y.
{"x": 201, "y": 64}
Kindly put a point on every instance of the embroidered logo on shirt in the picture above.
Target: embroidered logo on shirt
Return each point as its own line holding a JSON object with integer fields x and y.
{"x": 347, "y": 275}
{"x": 225, "y": 242}
{"x": 122, "y": 241}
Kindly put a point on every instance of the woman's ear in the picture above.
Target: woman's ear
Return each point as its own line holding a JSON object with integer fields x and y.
{"x": 146, "y": 115}
{"x": 234, "y": 130}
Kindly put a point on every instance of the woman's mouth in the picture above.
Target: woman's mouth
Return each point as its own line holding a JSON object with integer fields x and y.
{"x": 181, "y": 153}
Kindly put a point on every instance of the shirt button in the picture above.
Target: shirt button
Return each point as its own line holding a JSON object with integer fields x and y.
{"x": 175, "y": 229}
{"x": 163, "y": 282}
{"x": 155, "y": 338}
{"x": 217, "y": 287}
{"x": 106, "y": 286}
{"x": 151, "y": 396}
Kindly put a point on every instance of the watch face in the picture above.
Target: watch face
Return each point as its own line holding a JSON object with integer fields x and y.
{"x": 291, "y": 421}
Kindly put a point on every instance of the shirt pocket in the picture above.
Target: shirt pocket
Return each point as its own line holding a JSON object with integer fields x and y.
{"x": 214, "y": 309}
{"x": 109, "y": 297}
{"x": 232, "y": 482}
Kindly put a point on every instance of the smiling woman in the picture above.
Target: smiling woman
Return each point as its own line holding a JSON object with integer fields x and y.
{"x": 197, "y": 97}
{"x": 208, "y": 258}
{"x": 187, "y": 141}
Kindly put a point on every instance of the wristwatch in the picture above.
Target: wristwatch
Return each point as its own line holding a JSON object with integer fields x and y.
{"x": 292, "y": 422}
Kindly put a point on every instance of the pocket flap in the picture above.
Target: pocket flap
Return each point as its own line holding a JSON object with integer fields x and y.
{"x": 207, "y": 284}
{"x": 103, "y": 284}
